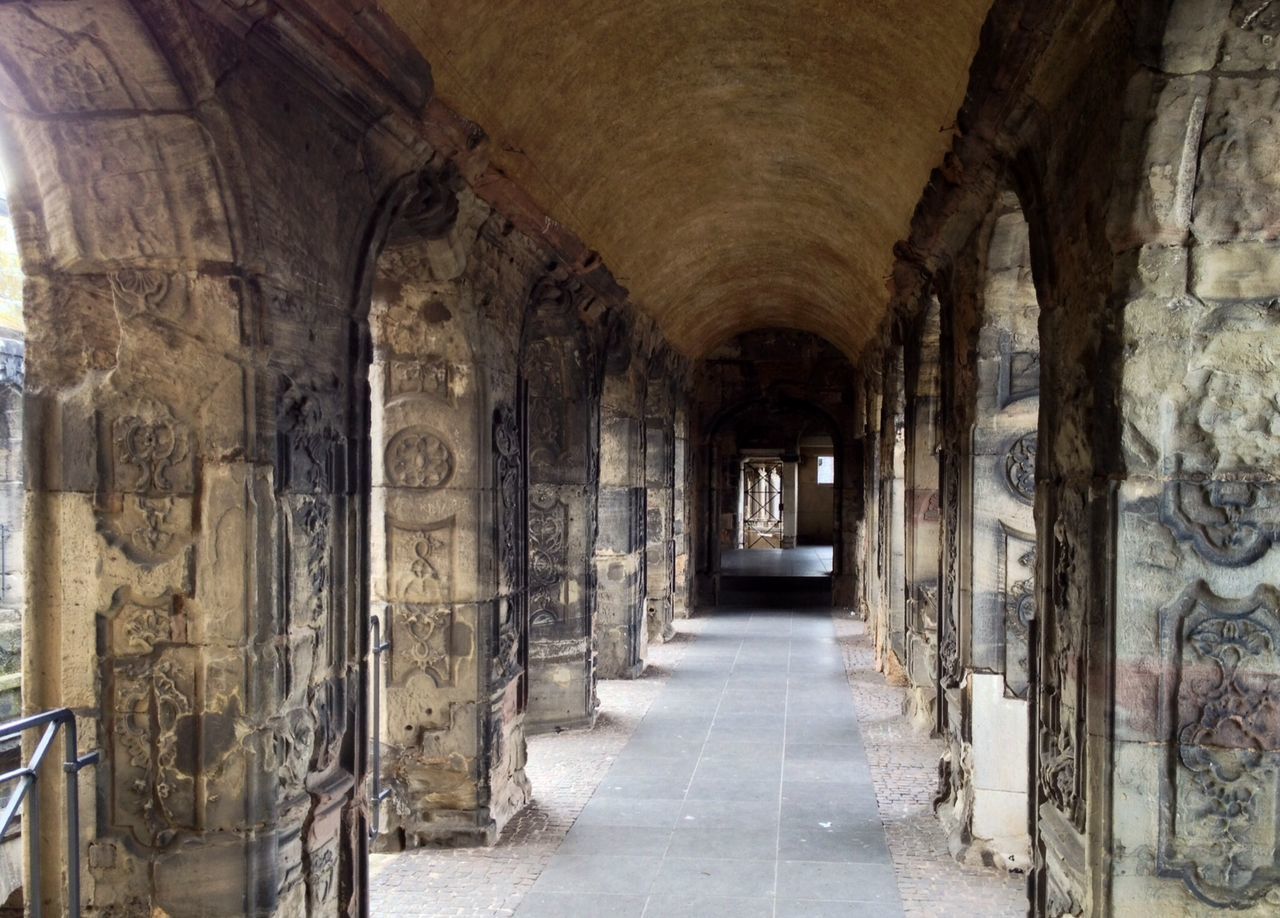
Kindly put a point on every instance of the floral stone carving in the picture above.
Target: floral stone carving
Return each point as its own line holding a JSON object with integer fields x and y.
{"x": 1220, "y": 715}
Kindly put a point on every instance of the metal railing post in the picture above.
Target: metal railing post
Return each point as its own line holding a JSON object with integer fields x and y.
{"x": 27, "y": 795}
{"x": 31, "y": 826}
{"x": 377, "y": 793}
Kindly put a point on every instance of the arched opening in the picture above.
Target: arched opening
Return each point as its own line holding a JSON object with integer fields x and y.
{"x": 771, "y": 451}
{"x": 993, "y": 386}
{"x": 774, "y": 470}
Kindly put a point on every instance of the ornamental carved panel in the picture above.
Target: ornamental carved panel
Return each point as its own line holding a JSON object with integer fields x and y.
{"x": 151, "y": 483}
{"x": 1062, "y": 686}
{"x": 1020, "y": 468}
{"x": 152, "y": 717}
{"x": 548, "y": 555}
{"x": 418, "y": 457}
{"x": 420, "y": 560}
{"x": 1220, "y": 716}
{"x": 432, "y": 376}
{"x": 307, "y": 442}
{"x": 1016, "y": 561}
{"x": 1220, "y": 450}
{"x": 421, "y": 642}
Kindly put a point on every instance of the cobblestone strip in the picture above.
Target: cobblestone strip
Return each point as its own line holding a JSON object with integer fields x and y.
{"x": 565, "y": 771}
{"x": 904, "y": 770}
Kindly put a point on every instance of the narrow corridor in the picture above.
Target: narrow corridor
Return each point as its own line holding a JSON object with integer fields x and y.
{"x": 743, "y": 789}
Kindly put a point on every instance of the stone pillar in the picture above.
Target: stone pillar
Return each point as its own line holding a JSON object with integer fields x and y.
{"x": 447, "y": 516}
{"x": 924, "y": 533}
{"x": 660, "y": 480}
{"x": 620, "y": 634}
{"x": 1162, "y": 621}
{"x": 893, "y": 518}
{"x": 682, "y": 595}
{"x": 563, "y": 468}
{"x": 790, "y": 499}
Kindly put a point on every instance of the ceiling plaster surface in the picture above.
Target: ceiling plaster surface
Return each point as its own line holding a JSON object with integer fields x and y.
{"x": 737, "y": 164}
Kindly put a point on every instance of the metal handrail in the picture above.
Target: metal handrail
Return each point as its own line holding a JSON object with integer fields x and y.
{"x": 377, "y": 793}
{"x": 27, "y": 777}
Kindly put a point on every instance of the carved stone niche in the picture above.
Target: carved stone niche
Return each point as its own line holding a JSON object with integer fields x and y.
{"x": 1220, "y": 716}
{"x": 150, "y": 482}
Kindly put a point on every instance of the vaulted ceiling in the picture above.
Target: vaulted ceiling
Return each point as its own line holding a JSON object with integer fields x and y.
{"x": 737, "y": 163}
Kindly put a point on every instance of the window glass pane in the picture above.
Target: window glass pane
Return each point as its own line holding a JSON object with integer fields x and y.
{"x": 826, "y": 470}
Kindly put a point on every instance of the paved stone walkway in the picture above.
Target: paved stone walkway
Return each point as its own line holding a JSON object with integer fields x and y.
{"x": 739, "y": 785}
{"x": 904, "y": 771}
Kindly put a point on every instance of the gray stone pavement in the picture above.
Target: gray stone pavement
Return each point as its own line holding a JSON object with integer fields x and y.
{"x": 749, "y": 782}
{"x": 904, "y": 771}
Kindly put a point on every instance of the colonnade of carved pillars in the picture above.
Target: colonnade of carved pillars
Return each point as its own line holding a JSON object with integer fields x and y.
{"x": 460, "y": 349}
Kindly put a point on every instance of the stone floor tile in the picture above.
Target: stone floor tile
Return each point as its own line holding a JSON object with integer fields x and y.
{"x": 837, "y": 881}
{"x": 708, "y": 876}
{"x": 707, "y": 907}
{"x": 579, "y": 905}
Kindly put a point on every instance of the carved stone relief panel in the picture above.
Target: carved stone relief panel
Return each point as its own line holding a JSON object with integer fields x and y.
{"x": 421, "y": 642}
{"x": 1020, "y": 467}
{"x": 949, "y": 638}
{"x": 430, "y": 375}
{"x": 1221, "y": 492}
{"x": 418, "y": 457}
{"x": 420, "y": 560}
{"x": 548, "y": 555}
{"x": 306, "y": 441}
{"x": 1019, "y": 375}
{"x": 151, "y": 480}
{"x": 1220, "y": 698}
{"x": 1061, "y": 708}
{"x": 1016, "y": 562}
{"x": 152, "y": 715}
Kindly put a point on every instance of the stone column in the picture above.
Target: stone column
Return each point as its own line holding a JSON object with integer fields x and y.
{"x": 923, "y": 513}
{"x": 564, "y": 410}
{"x": 660, "y": 480}
{"x": 620, "y": 634}
{"x": 680, "y": 516}
{"x": 1163, "y": 608}
{"x": 447, "y": 517}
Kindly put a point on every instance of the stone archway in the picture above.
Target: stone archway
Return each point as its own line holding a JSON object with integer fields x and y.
{"x": 197, "y": 424}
